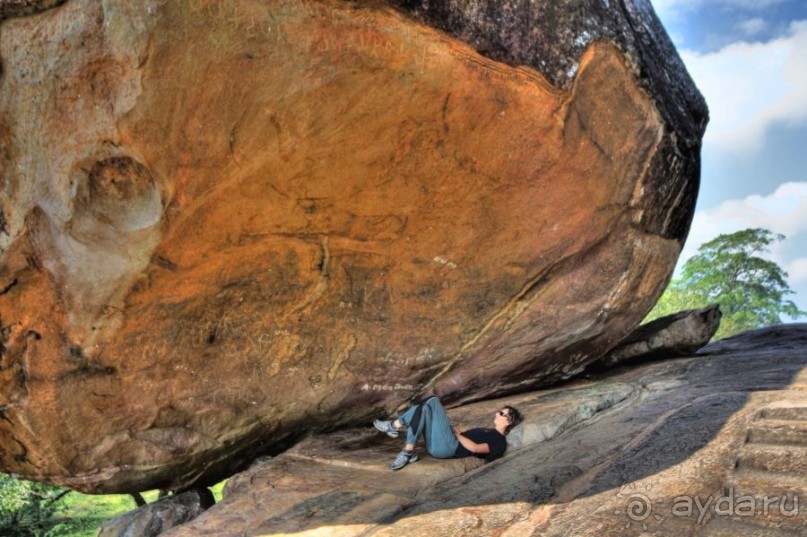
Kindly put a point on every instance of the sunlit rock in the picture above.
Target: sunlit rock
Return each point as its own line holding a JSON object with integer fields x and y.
{"x": 228, "y": 224}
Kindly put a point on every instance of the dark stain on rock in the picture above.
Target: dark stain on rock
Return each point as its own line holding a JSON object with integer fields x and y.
{"x": 164, "y": 262}
{"x": 91, "y": 370}
{"x": 5, "y": 332}
{"x": 118, "y": 178}
{"x": 8, "y": 155}
{"x": 33, "y": 262}
{"x": 22, "y": 456}
{"x": 36, "y": 336}
{"x": 308, "y": 205}
{"x": 22, "y": 8}
{"x": 4, "y": 417}
{"x": 3, "y": 224}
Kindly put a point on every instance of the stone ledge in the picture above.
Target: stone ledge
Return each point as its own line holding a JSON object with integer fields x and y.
{"x": 336, "y": 477}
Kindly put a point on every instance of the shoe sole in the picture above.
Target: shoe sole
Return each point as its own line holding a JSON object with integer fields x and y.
{"x": 391, "y": 434}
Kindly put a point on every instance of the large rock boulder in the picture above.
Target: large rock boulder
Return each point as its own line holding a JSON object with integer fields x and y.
{"x": 156, "y": 518}
{"x": 671, "y": 336}
{"x": 227, "y": 224}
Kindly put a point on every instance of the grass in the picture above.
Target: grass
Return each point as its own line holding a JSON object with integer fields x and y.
{"x": 84, "y": 513}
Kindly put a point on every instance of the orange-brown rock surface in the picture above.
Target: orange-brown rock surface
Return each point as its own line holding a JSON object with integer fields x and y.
{"x": 227, "y": 224}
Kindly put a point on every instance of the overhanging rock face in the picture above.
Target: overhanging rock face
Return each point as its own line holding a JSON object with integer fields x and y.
{"x": 226, "y": 224}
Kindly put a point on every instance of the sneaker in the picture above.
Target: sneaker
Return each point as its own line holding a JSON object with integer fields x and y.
{"x": 386, "y": 427}
{"x": 403, "y": 458}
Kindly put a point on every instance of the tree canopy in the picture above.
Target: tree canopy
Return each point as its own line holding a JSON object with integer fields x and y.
{"x": 28, "y": 508}
{"x": 728, "y": 270}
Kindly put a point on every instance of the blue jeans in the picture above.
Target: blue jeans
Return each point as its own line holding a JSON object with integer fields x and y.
{"x": 429, "y": 420}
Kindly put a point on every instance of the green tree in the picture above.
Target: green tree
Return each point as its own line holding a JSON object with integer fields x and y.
{"x": 752, "y": 291}
{"x": 28, "y": 508}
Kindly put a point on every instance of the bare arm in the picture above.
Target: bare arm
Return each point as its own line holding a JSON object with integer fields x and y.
{"x": 470, "y": 445}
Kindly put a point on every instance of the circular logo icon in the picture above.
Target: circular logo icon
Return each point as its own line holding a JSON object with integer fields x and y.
{"x": 639, "y": 507}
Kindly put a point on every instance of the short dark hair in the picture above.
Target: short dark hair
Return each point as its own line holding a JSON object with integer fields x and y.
{"x": 514, "y": 417}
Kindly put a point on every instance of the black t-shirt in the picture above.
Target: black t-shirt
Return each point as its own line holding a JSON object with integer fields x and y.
{"x": 495, "y": 440}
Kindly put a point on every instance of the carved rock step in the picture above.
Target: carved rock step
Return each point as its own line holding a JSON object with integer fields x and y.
{"x": 733, "y": 526}
{"x": 760, "y": 484}
{"x": 784, "y": 413}
{"x": 781, "y": 432}
{"x": 769, "y": 500}
{"x": 777, "y": 459}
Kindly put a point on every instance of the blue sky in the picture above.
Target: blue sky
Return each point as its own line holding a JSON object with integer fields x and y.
{"x": 749, "y": 59}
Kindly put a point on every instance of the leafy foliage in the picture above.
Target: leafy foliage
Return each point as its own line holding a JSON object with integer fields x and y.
{"x": 727, "y": 270}
{"x": 30, "y": 509}
{"x": 35, "y": 509}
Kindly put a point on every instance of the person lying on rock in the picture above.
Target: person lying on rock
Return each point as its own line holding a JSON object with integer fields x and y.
{"x": 443, "y": 441}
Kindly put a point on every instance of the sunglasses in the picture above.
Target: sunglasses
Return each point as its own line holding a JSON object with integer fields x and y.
{"x": 507, "y": 415}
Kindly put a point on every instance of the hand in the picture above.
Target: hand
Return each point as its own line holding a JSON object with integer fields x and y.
{"x": 456, "y": 430}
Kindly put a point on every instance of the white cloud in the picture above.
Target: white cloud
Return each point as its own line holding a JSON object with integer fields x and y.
{"x": 797, "y": 277}
{"x": 751, "y": 86}
{"x": 797, "y": 271}
{"x": 673, "y": 7}
{"x": 752, "y": 27}
{"x": 784, "y": 211}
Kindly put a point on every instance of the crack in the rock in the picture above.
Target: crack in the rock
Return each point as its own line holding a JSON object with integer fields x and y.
{"x": 324, "y": 261}
{"x": 444, "y": 113}
{"x": 9, "y": 287}
{"x": 21, "y": 457}
{"x": 514, "y": 307}
{"x": 164, "y": 262}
